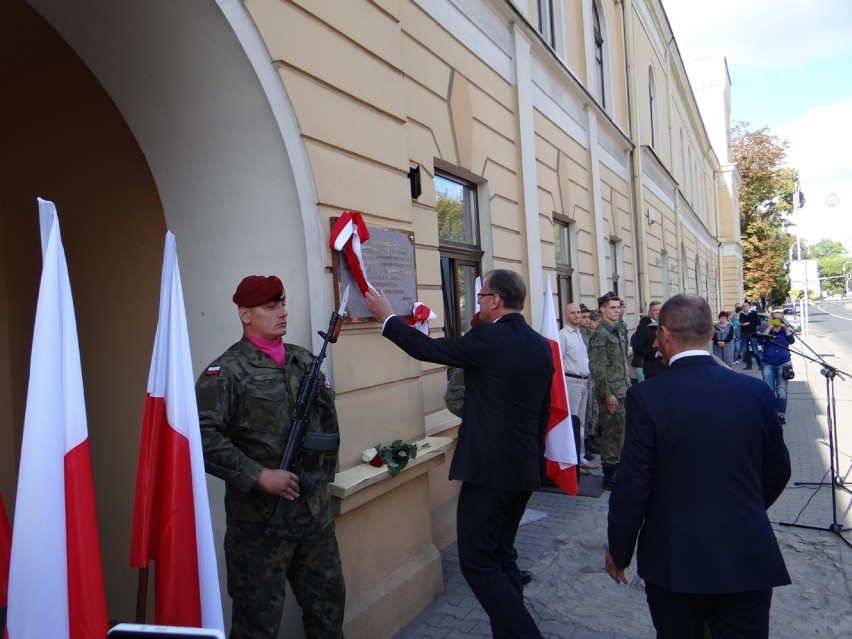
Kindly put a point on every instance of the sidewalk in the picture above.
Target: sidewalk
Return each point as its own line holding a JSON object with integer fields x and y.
{"x": 571, "y": 596}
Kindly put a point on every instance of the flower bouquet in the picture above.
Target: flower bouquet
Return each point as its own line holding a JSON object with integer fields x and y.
{"x": 396, "y": 456}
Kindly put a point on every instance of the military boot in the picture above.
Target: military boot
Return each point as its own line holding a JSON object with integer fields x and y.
{"x": 609, "y": 476}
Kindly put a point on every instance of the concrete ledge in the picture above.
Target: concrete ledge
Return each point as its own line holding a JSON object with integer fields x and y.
{"x": 355, "y": 486}
{"x": 440, "y": 422}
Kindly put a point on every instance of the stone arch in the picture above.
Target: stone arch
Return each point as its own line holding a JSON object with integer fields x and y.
{"x": 134, "y": 118}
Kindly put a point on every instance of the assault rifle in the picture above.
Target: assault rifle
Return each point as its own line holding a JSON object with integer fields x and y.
{"x": 278, "y": 525}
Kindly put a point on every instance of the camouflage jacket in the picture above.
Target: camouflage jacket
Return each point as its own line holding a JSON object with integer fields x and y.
{"x": 454, "y": 395}
{"x": 244, "y": 405}
{"x": 608, "y": 360}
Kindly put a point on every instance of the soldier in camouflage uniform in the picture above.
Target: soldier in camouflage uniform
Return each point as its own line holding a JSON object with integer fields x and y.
{"x": 244, "y": 401}
{"x": 588, "y": 322}
{"x": 608, "y": 364}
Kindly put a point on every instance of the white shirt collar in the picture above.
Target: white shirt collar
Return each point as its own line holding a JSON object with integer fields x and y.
{"x": 691, "y": 353}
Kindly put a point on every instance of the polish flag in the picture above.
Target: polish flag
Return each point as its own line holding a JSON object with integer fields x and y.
{"x": 171, "y": 514}
{"x": 56, "y": 585}
{"x": 559, "y": 448}
{"x": 349, "y": 232}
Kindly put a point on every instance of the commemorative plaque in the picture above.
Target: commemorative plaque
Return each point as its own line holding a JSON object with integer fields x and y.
{"x": 389, "y": 261}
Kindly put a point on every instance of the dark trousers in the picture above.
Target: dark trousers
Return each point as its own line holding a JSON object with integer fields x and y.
{"x": 751, "y": 349}
{"x": 742, "y": 615}
{"x": 487, "y": 521}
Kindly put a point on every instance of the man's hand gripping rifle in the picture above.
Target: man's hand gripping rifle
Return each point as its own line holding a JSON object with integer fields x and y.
{"x": 278, "y": 525}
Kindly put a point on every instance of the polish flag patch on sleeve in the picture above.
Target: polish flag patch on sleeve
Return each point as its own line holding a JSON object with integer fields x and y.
{"x": 213, "y": 370}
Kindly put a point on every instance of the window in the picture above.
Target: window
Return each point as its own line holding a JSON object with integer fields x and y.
{"x": 652, "y": 104}
{"x": 546, "y": 25}
{"x": 564, "y": 242}
{"x": 599, "y": 55}
{"x": 458, "y": 240}
{"x": 614, "y": 262}
{"x": 697, "y": 269}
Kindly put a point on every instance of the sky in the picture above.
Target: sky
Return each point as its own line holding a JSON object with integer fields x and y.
{"x": 790, "y": 63}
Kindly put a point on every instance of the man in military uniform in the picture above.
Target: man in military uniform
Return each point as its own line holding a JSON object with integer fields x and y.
{"x": 608, "y": 364}
{"x": 244, "y": 402}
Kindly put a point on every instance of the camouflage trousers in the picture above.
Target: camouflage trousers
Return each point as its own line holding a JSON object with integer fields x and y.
{"x": 591, "y": 422}
{"x": 260, "y": 566}
{"x": 612, "y": 432}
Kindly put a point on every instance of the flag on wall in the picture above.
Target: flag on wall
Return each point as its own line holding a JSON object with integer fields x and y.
{"x": 349, "y": 232}
{"x": 559, "y": 448}
{"x": 171, "y": 514}
{"x": 56, "y": 586}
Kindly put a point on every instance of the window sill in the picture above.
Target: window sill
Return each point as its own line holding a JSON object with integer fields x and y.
{"x": 358, "y": 485}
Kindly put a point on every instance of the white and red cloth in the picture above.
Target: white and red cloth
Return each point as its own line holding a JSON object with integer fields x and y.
{"x": 421, "y": 315}
{"x": 171, "y": 513}
{"x": 56, "y": 584}
{"x": 559, "y": 447}
{"x": 348, "y": 234}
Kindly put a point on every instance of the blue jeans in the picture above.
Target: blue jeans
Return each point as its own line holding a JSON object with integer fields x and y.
{"x": 772, "y": 376}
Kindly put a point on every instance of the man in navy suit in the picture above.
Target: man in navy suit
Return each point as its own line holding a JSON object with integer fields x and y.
{"x": 508, "y": 369}
{"x": 704, "y": 457}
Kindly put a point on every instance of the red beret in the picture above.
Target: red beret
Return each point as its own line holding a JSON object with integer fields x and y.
{"x": 255, "y": 290}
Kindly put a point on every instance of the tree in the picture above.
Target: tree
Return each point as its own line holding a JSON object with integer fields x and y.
{"x": 766, "y": 195}
{"x": 833, "y": 263}
{"x": 826, "y": 248}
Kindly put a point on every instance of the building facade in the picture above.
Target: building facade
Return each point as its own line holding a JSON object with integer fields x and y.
{"x": 558, "y": 138}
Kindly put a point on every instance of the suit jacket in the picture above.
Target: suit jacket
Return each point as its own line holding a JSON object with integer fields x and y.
{"x": 703, "y": 458}
{"x": 643, "y": 345}
{"x": 508, "y": 370}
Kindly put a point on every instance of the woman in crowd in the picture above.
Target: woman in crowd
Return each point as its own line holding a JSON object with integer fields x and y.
{"x": 735, "y": 322}
{"x": 723, "y": 339}
{"x": 776, "y": 340}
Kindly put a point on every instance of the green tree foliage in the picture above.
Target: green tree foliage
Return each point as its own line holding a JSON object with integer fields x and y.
{"x": 833, "y": 263}
{"x": 451, "y": 221}
{"x": 827, "y": 248}
{"x": 766, "y": 195}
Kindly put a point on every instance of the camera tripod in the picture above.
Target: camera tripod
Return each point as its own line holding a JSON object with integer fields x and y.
{"x": 837, "y": 482}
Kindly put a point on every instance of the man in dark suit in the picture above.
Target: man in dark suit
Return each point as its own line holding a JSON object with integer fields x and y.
{"x": 643, "y": 342}
{"x": 704, "y": 457}
{"x": 508, "y": 369}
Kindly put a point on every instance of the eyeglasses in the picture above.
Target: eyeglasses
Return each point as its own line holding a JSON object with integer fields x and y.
{"x": 479, "y": 296}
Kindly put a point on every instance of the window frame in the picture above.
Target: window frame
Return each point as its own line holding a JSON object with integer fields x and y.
{"x": 457, "y": 256}
{"x": 600, "y": 66}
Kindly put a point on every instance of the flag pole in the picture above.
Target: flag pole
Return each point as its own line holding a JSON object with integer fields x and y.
{"x": 142, "y": 595}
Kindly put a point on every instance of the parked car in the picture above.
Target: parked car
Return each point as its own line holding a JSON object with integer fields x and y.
{"x": 789, "y": 309}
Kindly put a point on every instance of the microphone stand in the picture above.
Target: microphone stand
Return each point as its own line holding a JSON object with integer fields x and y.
{"x": 829, "y": 372}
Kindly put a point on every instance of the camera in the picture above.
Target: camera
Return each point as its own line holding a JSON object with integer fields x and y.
{"x": 150, "y": 631}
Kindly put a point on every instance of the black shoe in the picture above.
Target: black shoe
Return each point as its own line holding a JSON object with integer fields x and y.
{"x": 588, "y": 456}
{"x": 525, "y": 577}
{"x": 783, "y": 419}
{"x": 609, "y": 476}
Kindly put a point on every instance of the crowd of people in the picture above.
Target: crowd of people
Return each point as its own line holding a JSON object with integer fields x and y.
{"x": 628, "y": 408}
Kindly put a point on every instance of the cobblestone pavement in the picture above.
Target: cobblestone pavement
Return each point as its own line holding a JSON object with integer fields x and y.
{"x": 571, "y": 595}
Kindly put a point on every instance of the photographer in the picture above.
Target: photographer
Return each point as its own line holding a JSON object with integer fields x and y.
{"x": 776, "y": 355}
